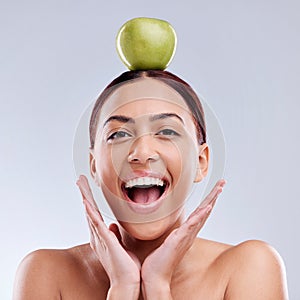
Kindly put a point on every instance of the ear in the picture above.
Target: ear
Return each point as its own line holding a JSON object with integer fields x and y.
{"x": 203, "y": 162}
{"x": 92, "y": 164}
{"x": 93, "y": 168}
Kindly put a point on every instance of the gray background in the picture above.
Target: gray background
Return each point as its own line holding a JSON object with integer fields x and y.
{"x": 56, "y": 56}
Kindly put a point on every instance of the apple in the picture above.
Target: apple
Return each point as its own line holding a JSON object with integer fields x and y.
{"x": 146, "y": 44}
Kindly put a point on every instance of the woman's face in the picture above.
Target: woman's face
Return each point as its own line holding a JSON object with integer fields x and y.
{"x": 146, "y": 155}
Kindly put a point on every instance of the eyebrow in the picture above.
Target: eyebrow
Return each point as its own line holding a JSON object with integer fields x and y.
{"x": 119, "y": 118}
{"x": 125, "y": 119}
{"x": 164, "y": 116}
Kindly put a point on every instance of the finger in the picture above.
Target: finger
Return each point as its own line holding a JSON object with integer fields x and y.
{"x": 85, "y": 190}
{"x": 87, "y": 194}
{"x": 98, "y": 225}
{"x": 98, "y": 236}
{"x": 199, "y": 216}
{"x": 92, "y": 229}
{"x": 197, "y": 219}
{"x": 96, "y": 240}
{"x": 115, "y": 229}
{"x": 183, "y": 237}
{"x": 199, "y": 212}
{"x": 93, "y": 213}
{"x": 216, "y": 190}
{"x": 92, "y": 232}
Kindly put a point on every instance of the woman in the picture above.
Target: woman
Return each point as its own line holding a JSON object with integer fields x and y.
{"x": 148, "y": 147}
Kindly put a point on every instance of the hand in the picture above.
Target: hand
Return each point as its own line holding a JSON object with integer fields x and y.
{"x": 158, "y": 267}
{"x": 121, "y": 266}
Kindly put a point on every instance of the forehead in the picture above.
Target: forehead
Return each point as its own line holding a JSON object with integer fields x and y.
{"x": 143, "y": 95}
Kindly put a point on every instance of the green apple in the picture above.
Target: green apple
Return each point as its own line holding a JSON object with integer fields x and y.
{"x": 146, "y": 44}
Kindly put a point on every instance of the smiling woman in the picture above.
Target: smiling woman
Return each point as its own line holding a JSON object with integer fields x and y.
{"x": 147, "y": 148}
{"x": 146, "y": 121}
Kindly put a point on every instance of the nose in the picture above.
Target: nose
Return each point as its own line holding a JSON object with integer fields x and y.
{"x": 143, "y": 150}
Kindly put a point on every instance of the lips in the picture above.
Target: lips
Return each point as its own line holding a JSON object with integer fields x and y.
{"x": 145, "y": 193}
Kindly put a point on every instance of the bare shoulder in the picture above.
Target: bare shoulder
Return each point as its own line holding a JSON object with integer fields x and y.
{"x": 38, "y": 276}
{"x": 250, "y": 270}
{"x": 256, "y": 272}
{"x": 44, "y": 274}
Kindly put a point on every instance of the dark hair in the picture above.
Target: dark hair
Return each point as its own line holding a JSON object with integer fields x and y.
{"x": 179, "y": 85}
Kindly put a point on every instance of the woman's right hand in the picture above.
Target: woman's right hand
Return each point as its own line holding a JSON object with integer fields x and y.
{"x": 121, "y": 266}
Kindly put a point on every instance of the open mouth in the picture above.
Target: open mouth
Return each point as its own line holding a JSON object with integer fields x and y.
{"x": 144, "y": 190}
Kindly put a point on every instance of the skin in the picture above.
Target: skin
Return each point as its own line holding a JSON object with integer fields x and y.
{"x": 161, "y": 258}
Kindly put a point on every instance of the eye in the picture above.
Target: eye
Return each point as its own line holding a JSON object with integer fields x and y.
{"x": 167, "y": 132}
{"x": 118, "y": 135}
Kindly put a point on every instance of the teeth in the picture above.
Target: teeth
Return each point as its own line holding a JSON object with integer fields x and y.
{"x": 144, "y": 181}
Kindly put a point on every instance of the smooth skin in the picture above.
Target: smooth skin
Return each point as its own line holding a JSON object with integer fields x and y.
{"x": 160, "y": 259}
{"x": 124, "y": 269}
{"x": 206, "y": 270}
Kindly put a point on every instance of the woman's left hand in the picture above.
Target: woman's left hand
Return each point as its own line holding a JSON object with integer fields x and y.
{"x": 158, "y": 267}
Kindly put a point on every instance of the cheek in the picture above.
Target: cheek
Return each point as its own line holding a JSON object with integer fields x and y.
{"x": 190, "y": 162}
{"x": 106, "y": 172}
{"x": 117, "y": 154}
{"x": 183, "y": 161}
{"x": 171, "y": 153}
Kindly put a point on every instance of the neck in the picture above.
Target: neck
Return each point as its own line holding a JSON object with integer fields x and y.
{"x": 143, "y": 238}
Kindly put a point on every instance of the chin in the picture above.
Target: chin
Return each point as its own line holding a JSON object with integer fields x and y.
{"x": 149, "y": 231}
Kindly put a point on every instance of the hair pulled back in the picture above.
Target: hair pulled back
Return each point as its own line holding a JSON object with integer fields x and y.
{"x": 179, "y": 85}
